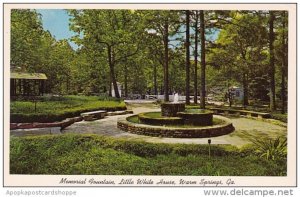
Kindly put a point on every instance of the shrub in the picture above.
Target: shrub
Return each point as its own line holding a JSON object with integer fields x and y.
{"x": 94, "y": 154}
{"x": 271, "y": 149}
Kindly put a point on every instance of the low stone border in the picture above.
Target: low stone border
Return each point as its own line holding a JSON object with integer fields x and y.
{"x": 62, "y": 124}
{"x": 265, "y": 117}
{"x": 36, "y": 131}
{"x": 93, "y": 115}
{"x": 174, "y": 132}
{"x": 260, "y": 115}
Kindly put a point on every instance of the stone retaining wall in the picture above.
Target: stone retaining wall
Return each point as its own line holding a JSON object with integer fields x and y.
{"x": 160, "y": 131}
{"x": 62, "y": 124}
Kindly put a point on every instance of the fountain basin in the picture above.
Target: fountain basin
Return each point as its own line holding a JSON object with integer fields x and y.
{"x": 197, "y": 117}
{"x": 171, "y": 109}
{"x": 155, "y": 118}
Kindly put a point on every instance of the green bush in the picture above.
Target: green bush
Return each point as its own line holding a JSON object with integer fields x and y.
{"x": 57, "y": 108}
{"x": 93, "y": 154}
{"x": 271, "y": 149}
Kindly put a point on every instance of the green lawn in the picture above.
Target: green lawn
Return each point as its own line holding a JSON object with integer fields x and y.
{"x": 54, "y": 109}
{"x": 91, "y": 154}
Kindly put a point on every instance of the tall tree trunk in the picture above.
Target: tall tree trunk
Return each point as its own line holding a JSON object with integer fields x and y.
{"x": 196, "y": 60}
{"x": 155, "y": 79}
{"x": 166, "y": 60}
{"x": 245, "y": 88}
{"x": 187, "y": 60}
{"x": 203, "y": 63}
{"x": 125, "y": 81}
{"x": 272, "y": 63}
{"x": 110, "y": 82}
{"x": 283, "y": 65}
{"x": 112, "y": 71}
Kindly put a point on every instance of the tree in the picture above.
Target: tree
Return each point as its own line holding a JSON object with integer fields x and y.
{"x": 272, "y": 63}
{"x": 284, "y": 60}
{"x": 203, "y": 63}
{"x": 196, "y": 58}
{"x": 116, "y": 35}
{"x": 35, "y": 50}
{"x": 280, "y": 56}
{"x": 26, "y": 37}
{"x": 154, "y": 53}
{"x": 244, "y": 37}
{"x": 164, "y": 24}
{"x": 166, "y": 58}
{"x": 187, "y": 61}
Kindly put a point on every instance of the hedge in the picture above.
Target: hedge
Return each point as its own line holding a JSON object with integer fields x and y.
{"x": 26, "y": 118}
{"x": 59, "y": 108}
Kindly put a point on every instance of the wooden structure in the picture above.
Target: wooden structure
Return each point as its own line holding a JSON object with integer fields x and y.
{"x": 27, "y": 84}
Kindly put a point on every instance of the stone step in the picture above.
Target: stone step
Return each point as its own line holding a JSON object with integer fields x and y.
{"x": 93, "y": 115}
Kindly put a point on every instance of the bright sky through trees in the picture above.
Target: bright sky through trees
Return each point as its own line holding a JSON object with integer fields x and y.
{"x": 57, "y": 22}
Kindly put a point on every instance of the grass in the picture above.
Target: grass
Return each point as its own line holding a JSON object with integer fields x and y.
{"x": 59, "y": 108}
{"x": 154, "y": 115}
{"x": 134, "y": 119}
{"x": 91, "y": 154}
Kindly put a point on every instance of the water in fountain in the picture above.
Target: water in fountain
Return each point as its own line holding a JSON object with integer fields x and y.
{"x": 176, "y": 99}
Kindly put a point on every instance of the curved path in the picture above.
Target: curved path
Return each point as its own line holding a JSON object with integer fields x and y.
{"x": 244, "y": 129}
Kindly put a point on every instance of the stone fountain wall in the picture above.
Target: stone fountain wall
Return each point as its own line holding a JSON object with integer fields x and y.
{"x": 161, "y": 131}
{"x": 171, "y": 109}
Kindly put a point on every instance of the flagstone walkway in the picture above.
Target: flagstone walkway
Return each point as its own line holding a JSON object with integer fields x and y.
{"x": 244, "y": 129}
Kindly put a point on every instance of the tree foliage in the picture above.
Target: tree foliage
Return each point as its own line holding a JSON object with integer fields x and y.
{"x": 146, "y": 51}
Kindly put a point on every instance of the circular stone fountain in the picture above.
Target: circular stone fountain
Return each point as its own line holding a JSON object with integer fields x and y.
{"x": 171, "y": 109}
{"x": 197, "y": 117}
{"x": 175, "y": 121}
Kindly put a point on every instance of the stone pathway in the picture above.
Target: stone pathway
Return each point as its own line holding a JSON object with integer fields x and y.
{"x": 244, "y": 129}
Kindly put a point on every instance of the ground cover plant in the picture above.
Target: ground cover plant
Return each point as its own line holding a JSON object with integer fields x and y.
{"x": 94, "y": 154}
{"x": 51, "y": 109}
